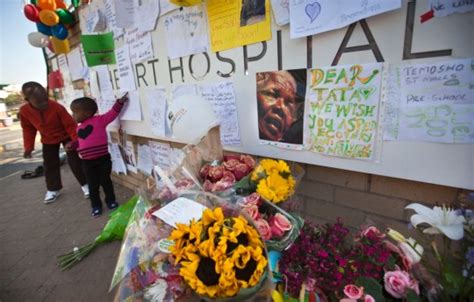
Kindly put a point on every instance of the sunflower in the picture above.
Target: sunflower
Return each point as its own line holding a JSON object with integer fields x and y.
{"x": 200, "y": 274}
{"x": 186, "y": 239}
{"x": 249, "y": 265}
{"x": 212, "y": 216}
{"x": 275, "y": 187}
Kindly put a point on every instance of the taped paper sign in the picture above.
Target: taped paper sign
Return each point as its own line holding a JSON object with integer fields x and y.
{"x": 98, "y": 49}
{"x": 435, "y": 102}
{"x": 281, "y": 11}
{"x": 140, "y": 45}
{"x": 124, "y": 66}
{"x": 342, "y": 106}
{"x": 156, "y": 101}
{"x": 309, "y": 17}
{"x": 442, "y": 8}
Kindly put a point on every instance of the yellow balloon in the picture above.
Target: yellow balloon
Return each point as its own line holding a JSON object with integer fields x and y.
{"x": 46, "y": 4}
{"x": 186, "y": 2}
{"x": 48, "y": 17}
{"x": 60, "y": 46}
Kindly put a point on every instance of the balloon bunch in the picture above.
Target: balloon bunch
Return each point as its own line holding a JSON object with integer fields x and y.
{"x": 51, "y": 18}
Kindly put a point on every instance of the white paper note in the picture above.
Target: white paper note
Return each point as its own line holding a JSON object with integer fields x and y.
{"x": 156, "y": 101}
{"x": 181, "y": 210}
{"x": 309, "y": 17}
{"x": 75, "y": 64}
{"x": 144, "y": 162}
{"x": 186, "y": 32}
{"x": 166, "y": 6}
{"x": 147, "y": 15}
{"x": 130, "y": 160}
{"x": 222, "y": 98}
{"x": 118, "y": 165}
{"x": 124, "y": 66}
{"x": 132, "y": 110}
{"x": 111, "y": 19}
{"x": 160, "y": 154}
{"x": 281, "y": 11}
{"x": 125, "y": 13}
{"x": 140, "y": 45}
{"x": 444, "y": 8}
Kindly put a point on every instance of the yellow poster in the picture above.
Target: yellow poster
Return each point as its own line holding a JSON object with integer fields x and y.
{"x": 234, "y": 23}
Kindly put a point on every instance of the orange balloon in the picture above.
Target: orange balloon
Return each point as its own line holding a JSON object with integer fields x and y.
{"x": 61, "y": 4}
{"x": 46, "y": 4}
{"x": 48, "y": 17}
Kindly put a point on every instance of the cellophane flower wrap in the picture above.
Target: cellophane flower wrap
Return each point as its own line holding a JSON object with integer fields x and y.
{"x": 145, "y": 270}
{"x": 277, "y": 227}
{"x": 221, "y": 256}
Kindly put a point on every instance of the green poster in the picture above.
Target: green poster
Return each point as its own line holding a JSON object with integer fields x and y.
{"x": 99, "y": 49}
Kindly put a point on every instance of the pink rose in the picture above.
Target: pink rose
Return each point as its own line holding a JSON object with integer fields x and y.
{"x": 253, "y": 212}
{"x": 208, "y": 186}
{"x": 241, "y": 170}
{"x": 279, "y": 225}
{"x": 216, "y": 173}
{"x": 347, "y": 300}
{"x": 222, "y": 185}
{"x": 353, "y": 292}
{"x": 397, "y": 283}
{"x": 231, "y": 164}
{"x": 372, "y": 232}
{"x": 414, "y": 286}
{"x": 228, "y": 177}
{"x": 248, "y": 160}
{"x": 264, "y": 229}
{"x": 252, "y": 199}
{"x": 369, "y": 298}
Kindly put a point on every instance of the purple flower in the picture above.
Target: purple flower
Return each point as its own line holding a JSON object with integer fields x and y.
{"x": 470, "y": 255}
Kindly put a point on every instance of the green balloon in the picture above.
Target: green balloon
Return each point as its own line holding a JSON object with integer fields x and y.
{"x": 65, "y": 16}
{"x": 33, "y": 2}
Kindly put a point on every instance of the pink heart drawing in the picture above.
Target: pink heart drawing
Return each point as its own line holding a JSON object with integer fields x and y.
{"x": 313, "y": 10}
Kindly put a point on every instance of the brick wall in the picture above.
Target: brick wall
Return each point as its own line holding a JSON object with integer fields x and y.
{"x": 358, "y": 198}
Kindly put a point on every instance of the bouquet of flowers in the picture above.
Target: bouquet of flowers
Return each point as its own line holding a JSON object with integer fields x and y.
{"x": 220, "y": 256}
{"x": 220, "y": 177}
{"x": 278, "y": 228}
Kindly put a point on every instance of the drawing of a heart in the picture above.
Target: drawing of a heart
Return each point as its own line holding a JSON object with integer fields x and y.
{"x": 366, "y": 92}
{"x": 313, "y": 10}
{"x": 85, "y": 132}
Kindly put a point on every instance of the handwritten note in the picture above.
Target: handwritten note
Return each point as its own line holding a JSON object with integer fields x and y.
{"x": 281, "y": 11}
{"x": 436, "y": 102}
{"x": 132, "y": 110}
{"x": 222, "y": 98}
{"x": 444, "y": 8}
{"x": 144, "y": 162}
{"x": 181, "y": 210}
{"x": 140, "y": 45}
{"x": 392, "y": 104}
{"x": 156, "y": 101}
{"x": 129, "y": 155}
{"x": 166, "y": 6}
{"x": 118, "y": 165}
{"x": 126, "y": 77}
{"x": 147, "y": 15}
{"x": 342, "y": 110}
{"x": 75, "y": 64}
{"x": 233, "y": 24}
{"x": 309, "y": 17}
{"x": 111, "y": 19}
{"x": 160, "y": 154}
{"x": 186, "y": 32}
{"x": 125, "y": 12}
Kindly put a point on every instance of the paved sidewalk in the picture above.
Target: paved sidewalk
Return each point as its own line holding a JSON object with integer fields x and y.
{"x": 32, "y": 234}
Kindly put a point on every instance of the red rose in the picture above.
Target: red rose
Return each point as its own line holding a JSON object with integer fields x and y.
{"x": 204, "y": 172}
{"x": 228, "y": 176}
{"x": 222, "y": 185}
{"x": 230, "y": 164}
{"x": 252, "y": 200}
{"x": 231, "y": 156}
{"x": 216, "y": 173}
{"x": 372, "y": 232}
{"x": 279, "y": 224}
{"x": 248, "y": 160}
{"x": 241, "y": 170}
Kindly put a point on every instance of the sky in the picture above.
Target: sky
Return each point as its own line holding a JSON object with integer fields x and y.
{"x": 19, "y": 61}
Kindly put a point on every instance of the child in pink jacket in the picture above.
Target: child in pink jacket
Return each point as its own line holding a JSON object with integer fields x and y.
{"x": 92, "y": 147}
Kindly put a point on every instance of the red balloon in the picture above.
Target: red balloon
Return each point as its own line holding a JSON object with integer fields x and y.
{"x": 31, "y": 13}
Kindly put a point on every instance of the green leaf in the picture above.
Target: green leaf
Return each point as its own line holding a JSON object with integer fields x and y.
{"x": 371, "y": 287}
{"x": 245, "y": 186}
{"x": 412, "y": 296}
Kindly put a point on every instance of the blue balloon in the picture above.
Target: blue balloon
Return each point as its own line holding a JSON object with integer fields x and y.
{"x": 44, "y": 29}
{"x": 59, "y": 31}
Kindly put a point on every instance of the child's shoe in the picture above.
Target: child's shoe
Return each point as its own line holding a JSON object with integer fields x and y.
{"x": 96, "y": 212}
{"x": 112, "y": 205}
{"x": 51, "y": 196}
{"x": 85, "y": 190}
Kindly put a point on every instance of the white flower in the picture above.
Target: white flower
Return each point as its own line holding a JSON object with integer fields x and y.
{"x": 442, "y": 220}
{"x": 412, "y": 250}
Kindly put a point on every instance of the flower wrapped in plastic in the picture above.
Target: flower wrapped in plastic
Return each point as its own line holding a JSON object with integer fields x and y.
{"x": 277, "y": 227}
{"x": 221, "y": 255}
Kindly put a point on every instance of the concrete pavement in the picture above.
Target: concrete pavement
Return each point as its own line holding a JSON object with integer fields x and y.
{"x": 32, "y": 234}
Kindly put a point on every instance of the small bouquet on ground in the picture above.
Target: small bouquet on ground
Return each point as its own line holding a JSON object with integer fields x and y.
{"x": 113, "y": 230}
{"x": 219, "y": 177}
{"x": 278, "y": 228}
{"x": 220, "y": 256}
{"x": 271, "y": 179}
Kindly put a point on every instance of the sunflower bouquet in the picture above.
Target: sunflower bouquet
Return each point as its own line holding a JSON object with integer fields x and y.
{"x": 272, "y": 179}
{"x": 220, "y": 256}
